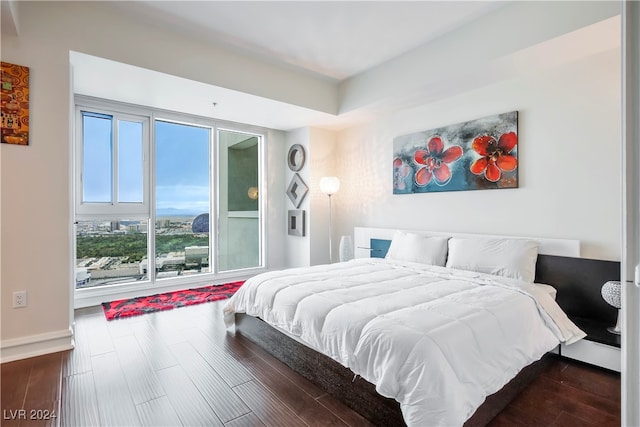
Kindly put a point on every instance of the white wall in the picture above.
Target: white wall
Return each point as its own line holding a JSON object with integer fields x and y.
{"x": 320, "y": 148}
{"x": 323, "y": 155}
{"x": 276, "y": 152}
{"x": 569, "y": 162}
{"x": 36, "y": 198}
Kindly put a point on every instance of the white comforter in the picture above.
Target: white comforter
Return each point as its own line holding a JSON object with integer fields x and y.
{"x": 437, "y": 340}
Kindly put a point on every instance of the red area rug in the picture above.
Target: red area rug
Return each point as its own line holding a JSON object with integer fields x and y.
{"x": 167, "y": 301}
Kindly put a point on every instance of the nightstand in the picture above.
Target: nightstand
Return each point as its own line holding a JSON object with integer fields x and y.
{"x": 599, "y": 347}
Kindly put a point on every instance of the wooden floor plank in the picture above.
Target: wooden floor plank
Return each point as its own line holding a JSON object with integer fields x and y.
{"x": 97, "y": 335}
{"x": 141, "y": 377}
{"x": 567, "y": 420}
{"x": 249, "y": 420}
{"x": 112, "y": 392}
{"x": 44, "y": 381}
{"x": 170, "y": 324}
{"x": 584, "y": 377}
{"x": 270, "y": 410}
{"x": 240, "y": 347}
{"x": 305, "y": 406}
{"x": 123, "y": 327}
{"x": 42, "y": 399}
{"x": 212, "y": 320}
{"x": 153, "y": 346}
{"x": 582, "y": 401}
{"x": 15, "y": 379}
{"x": 297, "y": 379}
{"x": 350, "y": 417}
{"x": 226, "y": 404}
{"x": 505, "y": 420}
{"x": 78, "y": 360}
{"x": 158, "y": 412}
{"x": 79, "y": 401}
{"x": 190, "y": 406}
{"x": 230, "y": 369}
{"x": 544, "y": 401}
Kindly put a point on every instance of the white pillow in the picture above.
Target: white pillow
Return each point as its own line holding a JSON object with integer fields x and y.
{"x": 553, "y": 292}
{"x": 414, "y": 247}
{"x": 515, "y": 258}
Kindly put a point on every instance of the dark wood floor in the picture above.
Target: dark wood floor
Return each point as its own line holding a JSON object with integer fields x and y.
{"x": 182, "y": 367}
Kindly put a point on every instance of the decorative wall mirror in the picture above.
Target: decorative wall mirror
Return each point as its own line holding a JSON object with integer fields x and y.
{"x": 295, "y": 158}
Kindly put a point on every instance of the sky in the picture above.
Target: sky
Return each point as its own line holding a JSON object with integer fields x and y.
{"x": 182, "y": 167}
{"x": 182, "y": 163}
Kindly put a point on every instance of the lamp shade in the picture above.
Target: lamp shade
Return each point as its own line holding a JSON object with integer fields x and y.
{"x": 329, "y": 184}
{"x": 611, "y": 293}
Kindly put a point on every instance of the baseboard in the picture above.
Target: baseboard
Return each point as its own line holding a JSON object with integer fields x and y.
{"x": 35, "y": 345}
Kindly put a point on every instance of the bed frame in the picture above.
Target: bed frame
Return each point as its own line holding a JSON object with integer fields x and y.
{"x": 577, "y": 280}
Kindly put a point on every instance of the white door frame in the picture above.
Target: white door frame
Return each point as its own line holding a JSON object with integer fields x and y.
{"x": 631, "y": 213}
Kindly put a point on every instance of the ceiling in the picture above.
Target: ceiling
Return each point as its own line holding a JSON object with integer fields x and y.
{"x": 167, "y": 92}
{"x": 334, "y": 39}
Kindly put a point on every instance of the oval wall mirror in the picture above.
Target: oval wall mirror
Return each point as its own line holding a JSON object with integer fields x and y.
{"x": 295, "y": 158}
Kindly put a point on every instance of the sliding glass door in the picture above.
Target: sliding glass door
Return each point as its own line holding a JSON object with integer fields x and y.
{"x": 239, "y": 238}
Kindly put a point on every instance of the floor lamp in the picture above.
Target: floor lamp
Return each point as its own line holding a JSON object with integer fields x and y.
{"x": 329, "y": 185}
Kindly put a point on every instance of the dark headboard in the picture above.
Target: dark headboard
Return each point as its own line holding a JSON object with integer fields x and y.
{"x": 577, "y": 280}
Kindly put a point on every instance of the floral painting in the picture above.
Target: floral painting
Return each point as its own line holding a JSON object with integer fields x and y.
{"x": 474, "y": 155}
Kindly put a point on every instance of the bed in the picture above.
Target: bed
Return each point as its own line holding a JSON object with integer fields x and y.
{"x": 431, "y": 328}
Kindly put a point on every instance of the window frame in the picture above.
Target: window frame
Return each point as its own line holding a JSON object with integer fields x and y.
{"x": 115, "y": 208}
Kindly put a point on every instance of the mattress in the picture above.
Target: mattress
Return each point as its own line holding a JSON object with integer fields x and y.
{"x": 437, "y": 340}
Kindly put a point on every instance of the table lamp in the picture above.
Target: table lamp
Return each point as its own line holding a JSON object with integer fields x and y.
{"x": 611, "y": 294}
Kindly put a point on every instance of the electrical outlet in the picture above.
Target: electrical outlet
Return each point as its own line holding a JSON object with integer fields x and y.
{"x": 19, "y": 299}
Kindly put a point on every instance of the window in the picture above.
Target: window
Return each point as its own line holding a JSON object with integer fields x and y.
{"x": 163, "y": 197}
{"x": 183, "y": 198}
{"x": 110, "y": 251}
{"x": 114, "y": 170}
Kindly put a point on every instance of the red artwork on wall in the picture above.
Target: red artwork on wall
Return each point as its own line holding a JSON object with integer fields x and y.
{"x": 14, "y": 100}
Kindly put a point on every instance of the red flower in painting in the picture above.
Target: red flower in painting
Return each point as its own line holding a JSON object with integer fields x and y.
{"x": 495, "y": 155}
{"x": 434, "y": 162}
{"x": 401, "y": 170}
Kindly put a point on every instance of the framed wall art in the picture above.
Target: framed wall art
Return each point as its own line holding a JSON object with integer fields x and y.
{"x": 295, "y": 223}
{"x": 296, "y": 190}
{"x": 296, "y": 157}
{"x": 14, "y": 103}
{"x": 475, "y": 155}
